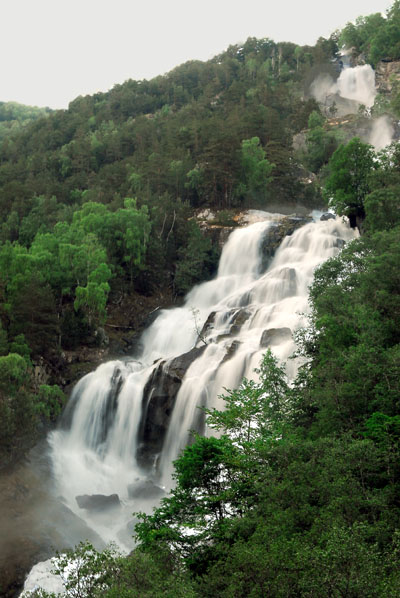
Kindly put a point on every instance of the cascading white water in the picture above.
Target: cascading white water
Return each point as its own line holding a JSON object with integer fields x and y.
{"x": 355, "y": 87}
{"x": 245, "y": 310}
{"x": 97, "y": 454}
{"x": 357, "y": 83}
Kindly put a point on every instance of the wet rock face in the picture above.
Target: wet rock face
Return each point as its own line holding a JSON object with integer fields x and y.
{"x": 239, "y": 319}
{"x": 159, "y": 399}
{"x": 98, "y": 502}
{"x": 274, "y": 336}
{"x": 387, "y": 74}
{"x": 208, "y": 325}
{"x": 327, "y": 216}
{"x": 145, "y": 490}
{"x": 275, "y": 235}
{"x": 231, "y": 350}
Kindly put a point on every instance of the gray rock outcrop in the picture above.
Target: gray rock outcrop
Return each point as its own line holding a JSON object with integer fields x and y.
{"x": 275, "y": 235}
{"x": 159, "y": 399}
{"x": 98, "y": 502}
{"x": 327, "y": 216}
{"x": 274, "y": 336}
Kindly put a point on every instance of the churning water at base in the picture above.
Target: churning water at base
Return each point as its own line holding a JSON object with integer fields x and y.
{"x": 231, "y": 320}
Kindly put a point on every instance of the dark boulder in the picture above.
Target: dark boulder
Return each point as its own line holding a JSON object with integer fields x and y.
{"x": 241, "y": 316}
{"x": 98, "y": 502}
{"x": 178, "y": 366}
{"x": 274, "y": 336}
{"x": 327, "y": 216}
{"x": 158, "y": 402}
{"x": 208, "y": 325}
{"x": 235, "y": 321}
{"x": 275, "y": 235}
{"x": 145, "y": 490}
{"x": 231, "y": 350}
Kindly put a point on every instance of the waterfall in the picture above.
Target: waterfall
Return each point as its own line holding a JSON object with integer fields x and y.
{"x": 126, "y": 422}
{"x": 354, "y": 87}
{"x": 358, "y": 84}
{"x": 130, "y": 418}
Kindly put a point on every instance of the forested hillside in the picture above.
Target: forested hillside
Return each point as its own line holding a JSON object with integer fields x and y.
{"x": 97, "y": 201}
{"x": 298, "y": 495}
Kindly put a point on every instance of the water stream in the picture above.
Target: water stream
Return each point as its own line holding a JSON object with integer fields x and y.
{"x": 221, "y": 331}
{"x": 99, "y": 452}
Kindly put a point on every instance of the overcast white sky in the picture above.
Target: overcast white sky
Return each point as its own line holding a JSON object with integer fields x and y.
{"x": 54, "y": 50}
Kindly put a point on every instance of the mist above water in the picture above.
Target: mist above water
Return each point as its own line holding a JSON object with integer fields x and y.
{"x": 382, "y": 132}
{"x": 357, "y": 84}
{"x": 355, "y": 87}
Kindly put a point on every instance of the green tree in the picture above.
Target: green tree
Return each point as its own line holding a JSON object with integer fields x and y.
{"x": 382, "y": 209}
{"x": 3, "y": 341}
{"x": 215, "y": 476}
{"x": 255, "y": 170}
{"x": 195, "y": 260}
{"x": 320, "y": 144}
{"x": 348, "y": 182}
{"x": 133, "y": 226}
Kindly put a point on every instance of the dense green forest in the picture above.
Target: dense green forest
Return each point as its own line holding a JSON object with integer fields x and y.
{"x": 14, "y": 116}
{"x": 376, "y": 36}
{"x": 97, "y": 201}
{"x": 298, "y": 495}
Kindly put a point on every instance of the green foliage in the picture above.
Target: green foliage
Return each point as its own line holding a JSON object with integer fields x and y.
{"x": 22, "y": 408}
{"x": 33, "y": 313}
{"x": 14, "y": 116}
{"x": 19, "y": 346}
{"x": 74, "y": 328}
{"x": 214, "y": 476}
{"x": 382, "y": 209}
{"x": 92, "y": 299}
{"x": 16, "y": 404}
{"x": 255, "y": 171}
{"x": 356, "y": 305}
{"x": 348, "y": 182}
{"x": 374, "y": 35}
{"x": 13, "y": 372}
{"x": 253, "y": 410}
{"x": 3, "y": 341}
{"x": 87, "y": 573}
{"x": 320, "y": 143}
{"x": 51, "y": 400}
{"x": 195, "y": 260}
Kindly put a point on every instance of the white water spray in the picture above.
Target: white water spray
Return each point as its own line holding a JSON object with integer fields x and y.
{"x": 98, "y": 454}
{"x": 246, "y": 310}
{"x": 358, "y": 84}
{"x": 382, "y": 132}
{"x": 355, "y": 87}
